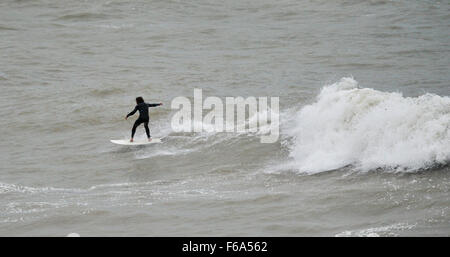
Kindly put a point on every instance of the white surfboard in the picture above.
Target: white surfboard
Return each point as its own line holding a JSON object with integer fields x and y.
{"x": 136, "y": 141}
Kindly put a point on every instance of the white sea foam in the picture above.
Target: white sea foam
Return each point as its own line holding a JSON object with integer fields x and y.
{"x": 241, "y": 127}
{"x": 370, "y": 129}
{"x": 156, "y": 153}
{"x": 390, "y": 230}
{"x": 12, "y": 188}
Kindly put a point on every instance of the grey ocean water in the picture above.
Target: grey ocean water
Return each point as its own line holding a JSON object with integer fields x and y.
{"x": 366, "y": 155}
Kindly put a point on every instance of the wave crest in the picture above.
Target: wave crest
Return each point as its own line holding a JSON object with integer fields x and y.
{"x": 370, "y": 129}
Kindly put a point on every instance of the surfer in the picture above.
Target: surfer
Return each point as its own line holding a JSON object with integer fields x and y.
{"x": 142, "y": 107}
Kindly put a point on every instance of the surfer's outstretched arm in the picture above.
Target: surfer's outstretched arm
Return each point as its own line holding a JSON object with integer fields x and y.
{"x": 154, "y": 105}
{"x": 132, "y": 112}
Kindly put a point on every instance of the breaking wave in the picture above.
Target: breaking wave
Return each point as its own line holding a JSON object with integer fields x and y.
{"x": 370, "y": 129}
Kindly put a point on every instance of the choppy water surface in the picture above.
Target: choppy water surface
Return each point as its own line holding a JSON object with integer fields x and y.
{"x": 364, "y": 112}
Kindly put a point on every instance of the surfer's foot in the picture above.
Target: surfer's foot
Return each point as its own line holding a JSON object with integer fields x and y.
{"x": 131, "y": 140}
{"x": 149, "y": 139}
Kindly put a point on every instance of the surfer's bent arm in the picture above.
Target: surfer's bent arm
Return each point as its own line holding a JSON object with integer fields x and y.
{"x": 132, "y": 112}
{"x": 154, "y": 105}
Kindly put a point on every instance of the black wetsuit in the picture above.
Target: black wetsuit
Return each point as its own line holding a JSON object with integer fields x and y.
{"x": 143, "y": 117}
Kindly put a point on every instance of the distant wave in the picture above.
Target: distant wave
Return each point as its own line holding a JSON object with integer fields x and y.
{"x": 6, "y": 28}
{"x": 106, "y": 91}
{"x": 83, "y": 16}
{"x": 370, "y": 129}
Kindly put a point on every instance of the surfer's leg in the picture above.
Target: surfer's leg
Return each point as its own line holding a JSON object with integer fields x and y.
{"x": 147, "y": 130}
{"x": 133, "y": 130}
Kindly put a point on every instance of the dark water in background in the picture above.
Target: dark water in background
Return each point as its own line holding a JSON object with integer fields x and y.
{"x": 371, "y": 161}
